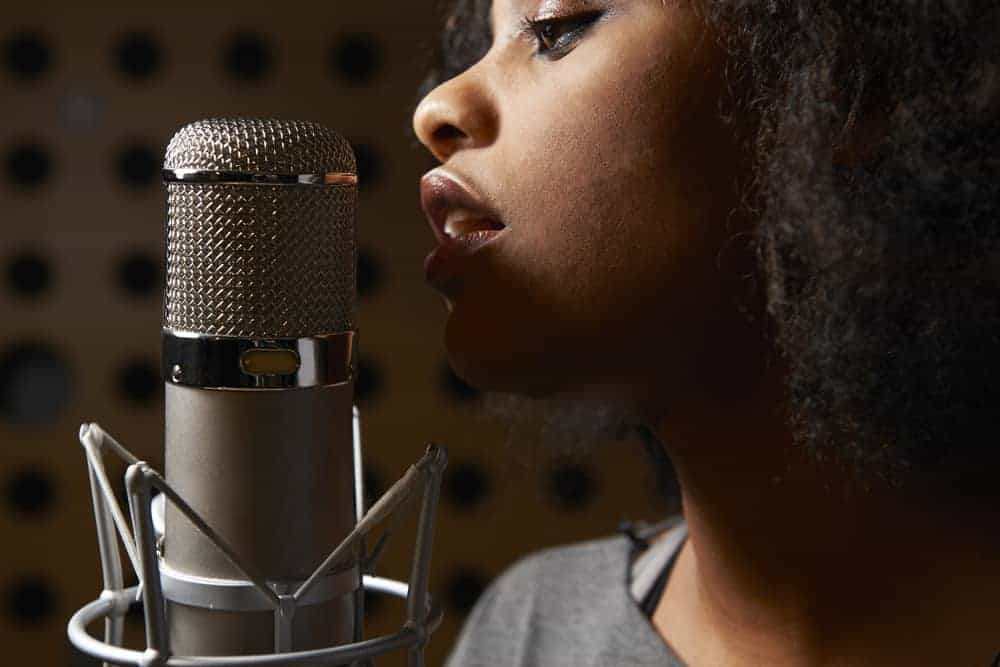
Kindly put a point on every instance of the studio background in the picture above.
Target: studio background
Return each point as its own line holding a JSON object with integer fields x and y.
{"x": 91, "y": 95}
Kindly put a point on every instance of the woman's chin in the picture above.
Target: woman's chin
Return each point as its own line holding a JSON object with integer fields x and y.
{"x": 500, "y": 364}
{"x": 492, "y": 374}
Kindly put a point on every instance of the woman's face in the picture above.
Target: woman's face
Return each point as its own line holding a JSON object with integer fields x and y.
{"x": 602, "y": 149}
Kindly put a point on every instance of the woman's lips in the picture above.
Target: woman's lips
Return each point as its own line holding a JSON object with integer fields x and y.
{"x": 446, "y": 261}
{"x": 445, "y": 201}
{"x": 462, "y": 221}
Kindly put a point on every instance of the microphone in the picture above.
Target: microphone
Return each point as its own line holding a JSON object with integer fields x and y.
{"x": 258, "y": 321}
{"x": 254, "y": 552}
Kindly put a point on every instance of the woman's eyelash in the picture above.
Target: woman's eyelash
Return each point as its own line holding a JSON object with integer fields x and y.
{"x": 542, "y": 29}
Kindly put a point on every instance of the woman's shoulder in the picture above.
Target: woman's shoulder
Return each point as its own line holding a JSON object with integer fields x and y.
{"x": 568, "y": 568}
{"x": 571, "y": 571}
{"x": 580, "y": 565}
{"x": 570, "y": 599}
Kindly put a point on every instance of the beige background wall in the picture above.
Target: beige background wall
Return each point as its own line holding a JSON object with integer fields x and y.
{"x": 82, "y": 208}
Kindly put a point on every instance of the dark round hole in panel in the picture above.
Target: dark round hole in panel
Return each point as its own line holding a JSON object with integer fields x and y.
{"x": 464, "y": 588}
{"x": 28, "y": 55}
{"x": 368, "y": 382}
{"x": 369, "y": 272}
{"x": 248, "y": 57}
{"x": 369, "y": 164}
{"x": 356, "y": 57}
{"x": 455, "y": 387}
{"x": 139, "y": 274}
{"x": 138, "y": 381}
{"x": 138, "y": 55}
{"x": 138, "y": 166}
{"x": 466, "y": 484}
{"x": 30, "y": 599}
{"x": 29, "y": 273}
{"x": 569, "y": 485}
{"x": 28, "y": 165}
{"x": 29, "y": 490}
{"x": 35, "y": 383}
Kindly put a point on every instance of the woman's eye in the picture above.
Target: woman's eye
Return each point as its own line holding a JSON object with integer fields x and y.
{"x": 556, "y": 34}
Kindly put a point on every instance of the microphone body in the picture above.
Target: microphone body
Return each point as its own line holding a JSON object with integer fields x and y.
{"x": 272, "y": 474}
{"x": 257, "y": 356}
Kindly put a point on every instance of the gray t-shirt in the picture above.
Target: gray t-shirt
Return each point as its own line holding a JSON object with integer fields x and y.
{"x": 576, "y": 605}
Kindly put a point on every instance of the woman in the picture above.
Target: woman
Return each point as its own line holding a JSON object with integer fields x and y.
{"x": 764, "y": 234}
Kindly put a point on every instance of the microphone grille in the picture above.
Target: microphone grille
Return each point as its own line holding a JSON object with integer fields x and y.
{"x": 260, "y": 260}
{"x": 267, "y": 146}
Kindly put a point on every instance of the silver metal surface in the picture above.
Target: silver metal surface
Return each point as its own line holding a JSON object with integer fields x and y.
{"x": 260, "y": 260}
{"x": 359, "y": 505}
{"x": 259, "y": 485}
{"x": 242, "y": 595}
{"x": 216, "y": 176}
{"x": 197, "y": 360}
{"x": 137, "y": 483}
{"x": 272, "y": 472}
{"x": 260, "y": 295}
{"x": 425, "y": 615}
{"x": 265, "y": 146}
{"x": 111, "y": 562}
{"x": 417, "y": 605}
{"x": 359, "y": 475}
{"x": 361, "y": 650}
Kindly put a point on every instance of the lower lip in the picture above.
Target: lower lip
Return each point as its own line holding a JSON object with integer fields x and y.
{"x": 444, "y": 262}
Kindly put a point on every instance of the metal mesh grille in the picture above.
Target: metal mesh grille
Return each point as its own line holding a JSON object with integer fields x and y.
{"x": 260, "y": 261}
{"x": 259, "y": 145}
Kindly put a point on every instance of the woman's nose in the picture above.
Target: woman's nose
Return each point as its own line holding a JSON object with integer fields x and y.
{"x": 457, "y": 114}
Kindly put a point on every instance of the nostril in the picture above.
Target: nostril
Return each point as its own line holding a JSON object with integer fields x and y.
{"x": 447, "y": 132}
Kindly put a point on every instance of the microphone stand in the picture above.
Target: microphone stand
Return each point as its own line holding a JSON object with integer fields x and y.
{"x": 142, "y": 539}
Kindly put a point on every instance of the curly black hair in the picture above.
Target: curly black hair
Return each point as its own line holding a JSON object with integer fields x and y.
{"x": 882, "y": 271}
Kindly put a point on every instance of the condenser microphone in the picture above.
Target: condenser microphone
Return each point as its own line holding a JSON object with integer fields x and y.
{"x": 254, "y": 553}
{"x": 258, "y": 321}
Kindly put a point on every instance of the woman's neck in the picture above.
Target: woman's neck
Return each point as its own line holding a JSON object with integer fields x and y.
{"x": 790, "y": 561}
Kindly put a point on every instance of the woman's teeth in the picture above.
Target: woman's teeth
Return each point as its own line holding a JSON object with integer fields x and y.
{"x": 460, "y": 223}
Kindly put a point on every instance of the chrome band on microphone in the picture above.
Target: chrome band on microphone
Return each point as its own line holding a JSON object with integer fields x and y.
{"x": 221, "y": 362}
{"x": 240, "y": 595}
{"x": 219, "y": 176}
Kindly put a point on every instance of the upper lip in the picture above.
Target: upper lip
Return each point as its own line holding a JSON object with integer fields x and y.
{"x": 441, "y": 193}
